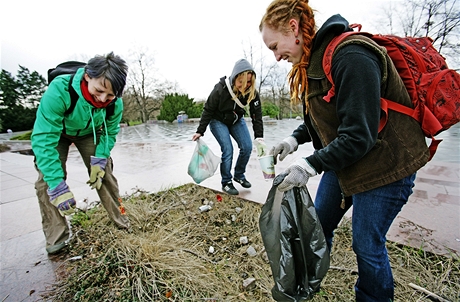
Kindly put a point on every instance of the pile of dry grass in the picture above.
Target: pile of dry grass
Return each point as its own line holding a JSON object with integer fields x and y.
{"x": 4, "y": 148}
{"x": 167, "y": 255}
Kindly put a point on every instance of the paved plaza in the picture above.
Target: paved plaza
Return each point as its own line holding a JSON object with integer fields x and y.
{"x": 154, "y": 157}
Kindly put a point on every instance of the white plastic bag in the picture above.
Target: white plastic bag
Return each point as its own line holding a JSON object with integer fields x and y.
{"x": 204, "y": 162}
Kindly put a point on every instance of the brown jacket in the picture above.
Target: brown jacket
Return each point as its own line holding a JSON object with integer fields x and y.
{"x": 400, "y": 149}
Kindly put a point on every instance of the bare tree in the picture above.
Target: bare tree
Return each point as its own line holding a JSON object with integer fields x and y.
{"x": 145, "y": 90}
{"x": 437, "y": 19}
{"x": 261, "y": 65}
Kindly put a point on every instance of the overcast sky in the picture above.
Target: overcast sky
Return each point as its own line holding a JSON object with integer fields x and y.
{"x": 193, "y": 42}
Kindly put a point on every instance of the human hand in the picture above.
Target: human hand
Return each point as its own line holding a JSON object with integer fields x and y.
{"x": 297, "y": 175}
{"x": 97, "y": 172}
{"x": 196, "y": 136}
{"x": 285, "y": 147}
{"x": 62, "y": 199}
{"x": 261, "y": 147}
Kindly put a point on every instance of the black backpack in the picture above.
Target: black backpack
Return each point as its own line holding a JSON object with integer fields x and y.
{"x": 71, "y": 67}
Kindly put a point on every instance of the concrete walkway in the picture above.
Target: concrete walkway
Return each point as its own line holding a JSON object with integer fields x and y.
{"x": 430, "y": 220}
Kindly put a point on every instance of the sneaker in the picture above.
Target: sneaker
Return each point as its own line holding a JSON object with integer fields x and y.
{"x": 243, "y": 182}
{"x": 230, "y": 189}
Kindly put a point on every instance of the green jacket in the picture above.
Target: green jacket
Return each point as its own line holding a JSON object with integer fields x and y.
{"x": 84, "y": 120}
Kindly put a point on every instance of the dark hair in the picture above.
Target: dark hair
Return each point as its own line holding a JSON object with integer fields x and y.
{"x": 111, "y": 67}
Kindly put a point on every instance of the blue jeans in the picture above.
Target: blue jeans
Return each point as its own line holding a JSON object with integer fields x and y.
{"x": 373, "y": 214}
{"x": 240, "y": 133}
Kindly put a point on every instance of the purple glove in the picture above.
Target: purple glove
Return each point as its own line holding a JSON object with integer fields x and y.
{"x": 62, "y": 199}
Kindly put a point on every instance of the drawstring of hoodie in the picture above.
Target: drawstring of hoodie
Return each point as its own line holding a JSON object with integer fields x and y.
{"x": 92, "y": 124}
{"x": 106, "y": 134}
{"x": 94, "y": 129}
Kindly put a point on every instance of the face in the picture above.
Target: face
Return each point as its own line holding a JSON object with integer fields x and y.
{"x": 100, "y": 89}
{"x": 283, "y": 43}
{"x": 242, "y": 85}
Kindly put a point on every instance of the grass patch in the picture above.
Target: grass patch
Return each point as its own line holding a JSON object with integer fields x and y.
{"x": 4, "y": 148}
{"x": 22, "y": 137}
{"x": 166, "y": 256}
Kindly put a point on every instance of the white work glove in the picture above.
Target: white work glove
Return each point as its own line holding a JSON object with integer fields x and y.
{"x": 285, "y": 147}
{"x": 297, "y": 175}
{"x": 261, "y": 147}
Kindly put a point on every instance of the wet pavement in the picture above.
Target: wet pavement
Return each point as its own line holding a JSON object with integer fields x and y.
{"x": 154, "y": 157}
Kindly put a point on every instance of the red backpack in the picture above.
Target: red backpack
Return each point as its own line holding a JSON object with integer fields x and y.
{"x": 433, "y": 88}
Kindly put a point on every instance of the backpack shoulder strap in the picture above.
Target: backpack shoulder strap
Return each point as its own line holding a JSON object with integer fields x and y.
{"x": 73, "y": 97}
{"x": 327, "y": 66}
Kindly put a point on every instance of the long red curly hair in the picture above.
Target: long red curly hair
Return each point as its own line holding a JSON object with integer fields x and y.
{"x": 277, "y": 17}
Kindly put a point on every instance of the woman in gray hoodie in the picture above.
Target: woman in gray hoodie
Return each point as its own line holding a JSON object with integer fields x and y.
{"x": 223, "y": 112}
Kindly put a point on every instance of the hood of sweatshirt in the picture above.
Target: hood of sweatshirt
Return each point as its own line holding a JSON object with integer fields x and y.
{"x": 335, "y": 25}
{"x": 240, "y": 66}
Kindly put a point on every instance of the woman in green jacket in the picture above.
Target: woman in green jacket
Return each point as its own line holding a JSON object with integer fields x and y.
{"x": 97, "y": 88}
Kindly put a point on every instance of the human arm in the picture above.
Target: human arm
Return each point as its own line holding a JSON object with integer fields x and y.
{"x": 47, "y": 130}
{"x": 196, "y": 136}
{"x": 290, "y": 144}
{"x": 209, "y": 109}
{"x": 356, "y": 72}
{"x": 255, "y": 111}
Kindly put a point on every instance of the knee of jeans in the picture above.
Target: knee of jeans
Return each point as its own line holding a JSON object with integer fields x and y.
{"x": 366, "y": 249}
{"x": 246, "y": 149}
{"x": 227, "y": 156}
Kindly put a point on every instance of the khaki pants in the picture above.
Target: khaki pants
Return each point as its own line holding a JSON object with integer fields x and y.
{"x": 54, "y": 225}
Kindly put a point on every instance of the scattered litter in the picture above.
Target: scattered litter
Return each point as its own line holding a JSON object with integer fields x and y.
{"x": 82, "y": 204}
{"x": 211, "y": 250}
{"x": 238, "y": 210}
{"x": 244, "y": 240}
{"x": 76, "y": 258}
{"x": 248, "y": 282}
{"x": 251, "y": 251}
{"x": 204, "y": 208}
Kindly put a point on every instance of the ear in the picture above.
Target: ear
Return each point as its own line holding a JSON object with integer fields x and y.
{"x": 294, "y": 26}
{"x": 87, "y": 77}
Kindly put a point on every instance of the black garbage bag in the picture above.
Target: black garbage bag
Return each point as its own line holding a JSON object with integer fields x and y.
{"x": 294, "y": 242}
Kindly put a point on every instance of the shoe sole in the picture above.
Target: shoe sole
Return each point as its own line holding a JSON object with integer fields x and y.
{"x": 231, "y": 193}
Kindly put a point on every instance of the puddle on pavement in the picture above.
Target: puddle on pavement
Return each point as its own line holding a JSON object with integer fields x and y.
{"x": 274, "y": 131}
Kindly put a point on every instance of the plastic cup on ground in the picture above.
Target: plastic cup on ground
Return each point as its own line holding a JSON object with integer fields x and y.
{"x": 268, "y": 166}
